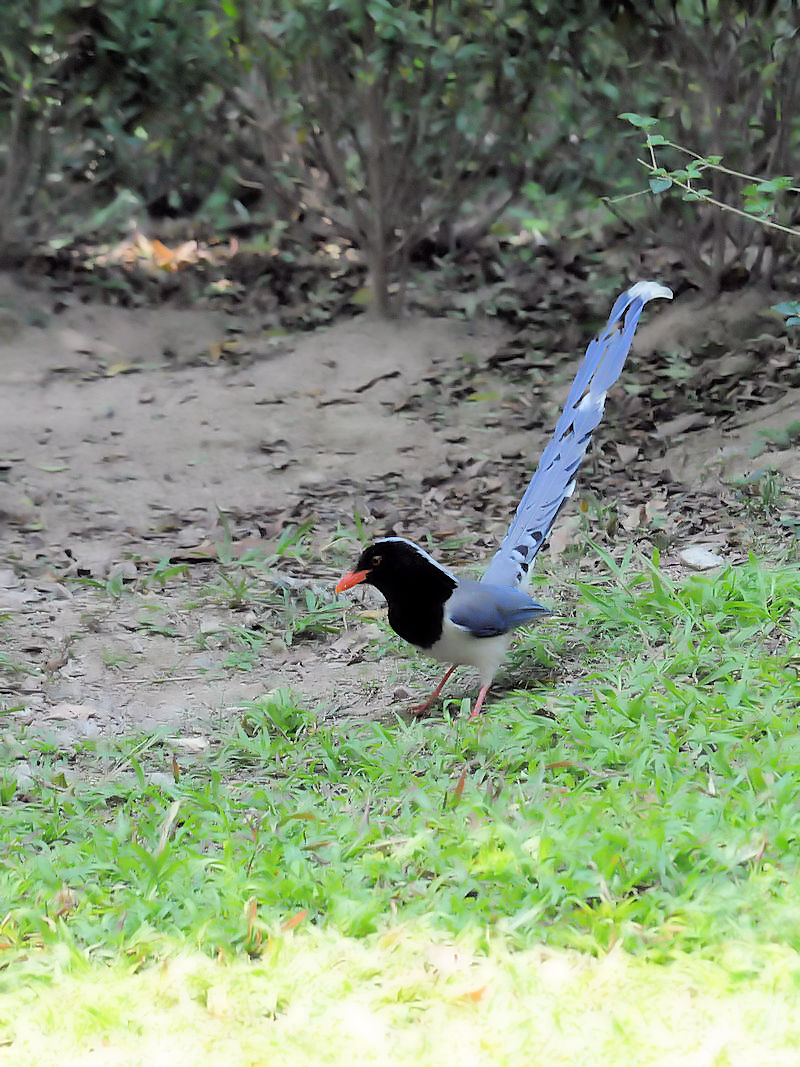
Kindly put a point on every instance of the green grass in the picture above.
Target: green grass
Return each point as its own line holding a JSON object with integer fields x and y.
{"x": 632, "y": 830}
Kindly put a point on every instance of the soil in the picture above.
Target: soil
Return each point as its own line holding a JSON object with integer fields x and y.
{"x": 129, "y": 437}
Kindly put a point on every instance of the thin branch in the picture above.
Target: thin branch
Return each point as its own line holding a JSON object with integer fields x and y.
{"x": 714, "y": 166}
{"x": 728, "y": 207}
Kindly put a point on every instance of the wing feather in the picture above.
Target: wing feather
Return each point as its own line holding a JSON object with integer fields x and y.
{"x": 488, "y": 610}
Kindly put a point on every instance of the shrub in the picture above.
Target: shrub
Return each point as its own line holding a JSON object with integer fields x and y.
{"x": 729, "y": 80}
{"x": 101, "y": 97}
{"x": 401, "y": 122}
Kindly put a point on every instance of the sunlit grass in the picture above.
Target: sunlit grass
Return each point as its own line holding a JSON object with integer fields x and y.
{"x": 407, "y": 997}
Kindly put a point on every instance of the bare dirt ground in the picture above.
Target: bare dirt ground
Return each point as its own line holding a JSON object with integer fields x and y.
{"x": 124, "y": 434}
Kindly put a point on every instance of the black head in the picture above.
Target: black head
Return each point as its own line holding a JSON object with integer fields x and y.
{"x": 399, "y": 568}
{"x": 416, "y": 587}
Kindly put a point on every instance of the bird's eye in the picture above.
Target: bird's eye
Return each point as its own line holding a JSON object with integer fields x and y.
{"x": 376, "y": 561}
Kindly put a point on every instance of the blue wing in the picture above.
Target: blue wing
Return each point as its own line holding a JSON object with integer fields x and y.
{"x": 489, "y": 610}
{"x": 554, "y": 479}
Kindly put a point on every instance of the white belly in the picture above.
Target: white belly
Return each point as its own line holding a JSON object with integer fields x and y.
{"x": 457, "y": 645}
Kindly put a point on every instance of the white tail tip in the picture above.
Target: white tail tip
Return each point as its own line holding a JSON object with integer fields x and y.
{"x": 649, "y": 291}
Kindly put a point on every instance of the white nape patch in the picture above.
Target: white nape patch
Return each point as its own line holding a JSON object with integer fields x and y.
{"x": 422, "y": 552}
{"x": 457, "y": 645}
{"x": 649, "y": 291}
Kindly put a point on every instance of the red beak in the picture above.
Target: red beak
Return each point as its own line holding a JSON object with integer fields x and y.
{"x": 350, "y": 579}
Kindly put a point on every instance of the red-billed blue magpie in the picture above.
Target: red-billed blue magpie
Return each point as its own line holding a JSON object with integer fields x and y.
{"x": 462, "y": 621}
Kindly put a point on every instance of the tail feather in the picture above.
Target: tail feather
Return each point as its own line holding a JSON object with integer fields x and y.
{"x": 554, "y": 480}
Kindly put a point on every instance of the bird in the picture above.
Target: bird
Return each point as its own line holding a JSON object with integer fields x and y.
{"x": 464, "y": 621}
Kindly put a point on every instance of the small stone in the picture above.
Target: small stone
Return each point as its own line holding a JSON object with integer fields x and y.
{"x": 700, "y": 558}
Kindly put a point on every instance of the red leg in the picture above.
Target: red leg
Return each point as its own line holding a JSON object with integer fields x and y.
{"x": 418, "y": 709}
{"x": 479, "y": 702}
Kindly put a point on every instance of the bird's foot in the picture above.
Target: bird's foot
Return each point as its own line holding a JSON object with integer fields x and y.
{"x": 479, "y": 703}
{"x": 418, "y": 710}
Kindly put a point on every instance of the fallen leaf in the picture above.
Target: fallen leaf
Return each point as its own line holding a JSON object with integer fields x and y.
{"x": 475, "y": 995}
{"x": 67, "y": 710}
{"x": 563, "y": 536}
{"x": 77, "y": 342}
{"x": 173, "y": 258}
{"x": 65, "y": 900}
{"x": 459, "y": 789}
{"x": 362, "y": 297}
{"x": 680, "y": 424}
{"x": 627, "y": 453}
{"x": 295, "y": 920}
{"x": 641, "y": 516}
{"x": 122, "y": 367}
{"x": 735, "y": 363}
{"x": 55, "y": 663}
{"x": 631, "y": 518}
{"x": 210, "y": 550}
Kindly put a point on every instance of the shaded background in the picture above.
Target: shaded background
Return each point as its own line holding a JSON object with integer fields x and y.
{"x": 348, "y": 146}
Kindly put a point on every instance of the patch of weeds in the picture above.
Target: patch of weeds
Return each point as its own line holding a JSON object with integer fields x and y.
{"x": 307, "y": 615}
{"x": 293, "y": 542}
{"x": 762, "y": 493}
{"x": 784, "y": 438}
{"x": 164, "y": 572}
{"x": 239, "y": 577}
{"x": 116, "y": 586}
{"x": 279, "y": 710}
{"x": 351, "y": 538}
{"x": 235, "y": 586}
{"x": 677, "y": 369}
{"x": 247, "y": 656}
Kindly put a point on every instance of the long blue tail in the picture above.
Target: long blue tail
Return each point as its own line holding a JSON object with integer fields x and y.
{"x": 554, "y": 479}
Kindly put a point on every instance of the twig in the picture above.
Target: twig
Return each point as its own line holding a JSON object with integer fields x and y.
{"x": 717, "y": 166}
{"x": 727, "y": 207}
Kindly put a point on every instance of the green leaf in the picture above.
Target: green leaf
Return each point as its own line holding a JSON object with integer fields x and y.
{"x": 658, "y": 185}
{"x": 641, "y": 121}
